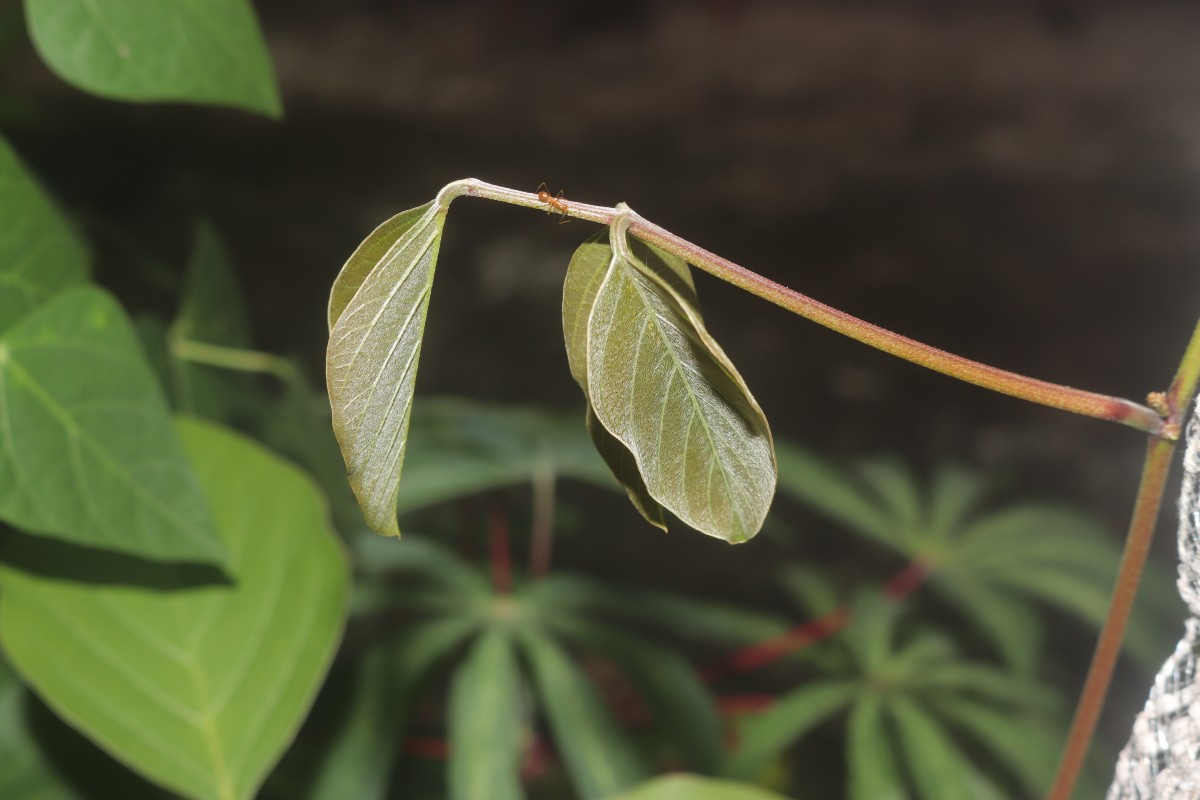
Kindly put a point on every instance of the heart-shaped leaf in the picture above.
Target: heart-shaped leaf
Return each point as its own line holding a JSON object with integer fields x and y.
{"x": 660, "y": 385}
{"x": 87, "y": 449}
{"x": 40, "y": 254}
{"x": 377, "y": 317}
{"x": 198, "y": 686}
{"x": 148, "y": 50}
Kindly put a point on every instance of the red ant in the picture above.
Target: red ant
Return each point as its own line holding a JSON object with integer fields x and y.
{"x": 552, "y": 203}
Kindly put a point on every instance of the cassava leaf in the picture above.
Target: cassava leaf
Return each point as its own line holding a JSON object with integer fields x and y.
{"x": 154, "y": 50}
{"x": 87, "y": 449}
{"x": 486, "y": 727}
{"x": 377, "y": 313}
{"x": 585, "y": 274}
{"x": 661, "y": 385}
{"x": 870, "y": 756}
{"x": 694, "y": 787}
{"x": 599, "y": 758}
{"x": 198, "y": 686}
{"x": 40, "y": 254}
{"x": 938, "y": 766}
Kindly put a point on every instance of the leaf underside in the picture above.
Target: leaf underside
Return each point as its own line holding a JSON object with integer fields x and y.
{"x": 664, "y": 390}
{"x": 377, "y": 314}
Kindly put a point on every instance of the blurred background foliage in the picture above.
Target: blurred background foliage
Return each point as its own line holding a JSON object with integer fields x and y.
{"x": 1014, "y": 182}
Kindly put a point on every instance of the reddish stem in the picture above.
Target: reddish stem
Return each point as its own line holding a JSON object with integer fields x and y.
{"x": 499, "y": 552}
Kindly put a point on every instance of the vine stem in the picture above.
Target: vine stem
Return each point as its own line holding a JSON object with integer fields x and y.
{"x": 1065, "y": 398}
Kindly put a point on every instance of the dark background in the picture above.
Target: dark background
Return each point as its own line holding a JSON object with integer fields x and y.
{"x": 1018, "y": 182}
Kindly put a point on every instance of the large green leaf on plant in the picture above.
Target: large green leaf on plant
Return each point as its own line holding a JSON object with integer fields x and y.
{"x": 199, "y": 687}
{"x": 25, "y": 773}
{"x": 660, "y": 384}
{"x": 487, "y": 731}
{"x": 88, "y": 452}
{"x": 40, "y": 255}
{"x": 693, "y": 787}
{"x": 377, "y": 315}
{"x": 598, "y": 756}
{"x": 158, "y": 50}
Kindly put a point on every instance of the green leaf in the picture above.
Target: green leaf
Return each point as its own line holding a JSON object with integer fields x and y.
{"x": 939, "y": 768}
{"x": 374, "y": 345}
{"x": 694, "y": 787}
{"x": 211, "y": 311}
{"x": 870, "y": 757}
{"x": 486, "y": 726}
{"x": 459, "y": 447}
{"x": 1007, "y": 621}
{"x": 87, "y": 449}
{"x": 680, "y": 704}
{"x": 366, "y": 745}
{"x": 597, "y": 754}
{"x": 198, "y": 686}
{"x": 831, "y": 492}
{"x": 40, "y": 255}
{"x": 585, "y": 274}
{"x": 764, "y": 737}
{"x": 661, "y": 385}
{"x": 25, "y": 773}
{"x": 158, "y": 50}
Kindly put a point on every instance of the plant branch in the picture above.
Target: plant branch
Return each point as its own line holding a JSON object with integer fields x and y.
{"x": 233, "y": 358}
{"x": 1065, "y": 398}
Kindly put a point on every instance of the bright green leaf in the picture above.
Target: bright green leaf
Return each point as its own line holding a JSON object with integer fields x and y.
{"x": 486, "y": 726}
{"x": 764, "y": 737}
{"x": 87, "y": 449}
{"x": 693, "y": 787}
{"x": 366, "y": 745}
{"x": 199, "y": 687}
{"x": 597, "y": 754}
{"x": 870, "y": 757}
{"x": 374, "y": 346}
{"x": 661, "y": 385}
{"x": 40, "y": 254}
{"x": 158, "y": 50}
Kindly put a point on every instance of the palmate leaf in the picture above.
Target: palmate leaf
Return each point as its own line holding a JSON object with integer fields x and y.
{"x": 660, "y": 384}
{"x": 486, "y": 727}
{"x": 198, "y": 687}
{"x": 40, "y": 255}
{"x": 377, "y": 315}
{"x": 148, "y": 50}
{"x": 87, "y": 449}
{"x": 870, "y": 756}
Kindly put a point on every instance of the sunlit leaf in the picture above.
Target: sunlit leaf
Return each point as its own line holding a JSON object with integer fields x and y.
{"x": 585, "y": 274}
{"x": 764, "y": 737}
{"x": 40, "y": 254}
{"x": 597, "y": 755}
{"x": 87, "y": 449}
{"x": 152, "y": 50}
{"x": 198, "y": 685}
{"x": 661, "y": 385}
{"x": 374, "y": 346}
{"x": 364, "y": 752}
{"x": 693, "y": 787}
{"x": 486, "y": 726}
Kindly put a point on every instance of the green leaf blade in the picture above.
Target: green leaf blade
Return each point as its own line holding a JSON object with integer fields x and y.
{"x": 374, "y": 347}
{"x": 694, "y": 787}
{"x": 87, "y": 449}
{"x": 661, "y": 385}
{"x": 158, "y": 50}
{"x": 198, "y": 686}
{"x": 486, "y": 728}
{"x": 40, "y": 254}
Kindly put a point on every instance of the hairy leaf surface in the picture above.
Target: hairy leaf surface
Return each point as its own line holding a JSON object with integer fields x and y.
{"x": 660, "y": 384}
{"x": 87, "y": 449}
{"x": 197, "y": 685}
{"x": 150, "y": 50}
{"x": 40, "y": 254}
{"x": 377, "y": 314}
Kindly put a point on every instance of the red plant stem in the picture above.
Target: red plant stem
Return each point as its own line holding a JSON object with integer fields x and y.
{"x": 1054, "y": 395}
{"x": 541, "y": 541}
{"x": 499, "y": 553}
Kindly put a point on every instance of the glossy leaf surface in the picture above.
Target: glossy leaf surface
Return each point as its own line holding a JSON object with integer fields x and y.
{"x": 40, "y": 254}
{"x": 660, "y": 384}
{"x": 158, "y": 50}
{"x": 88, "y": 452}
{"x": 377, "y": 318}
{"x": 486, "y": 728}
{"x": 197, "y": 685}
